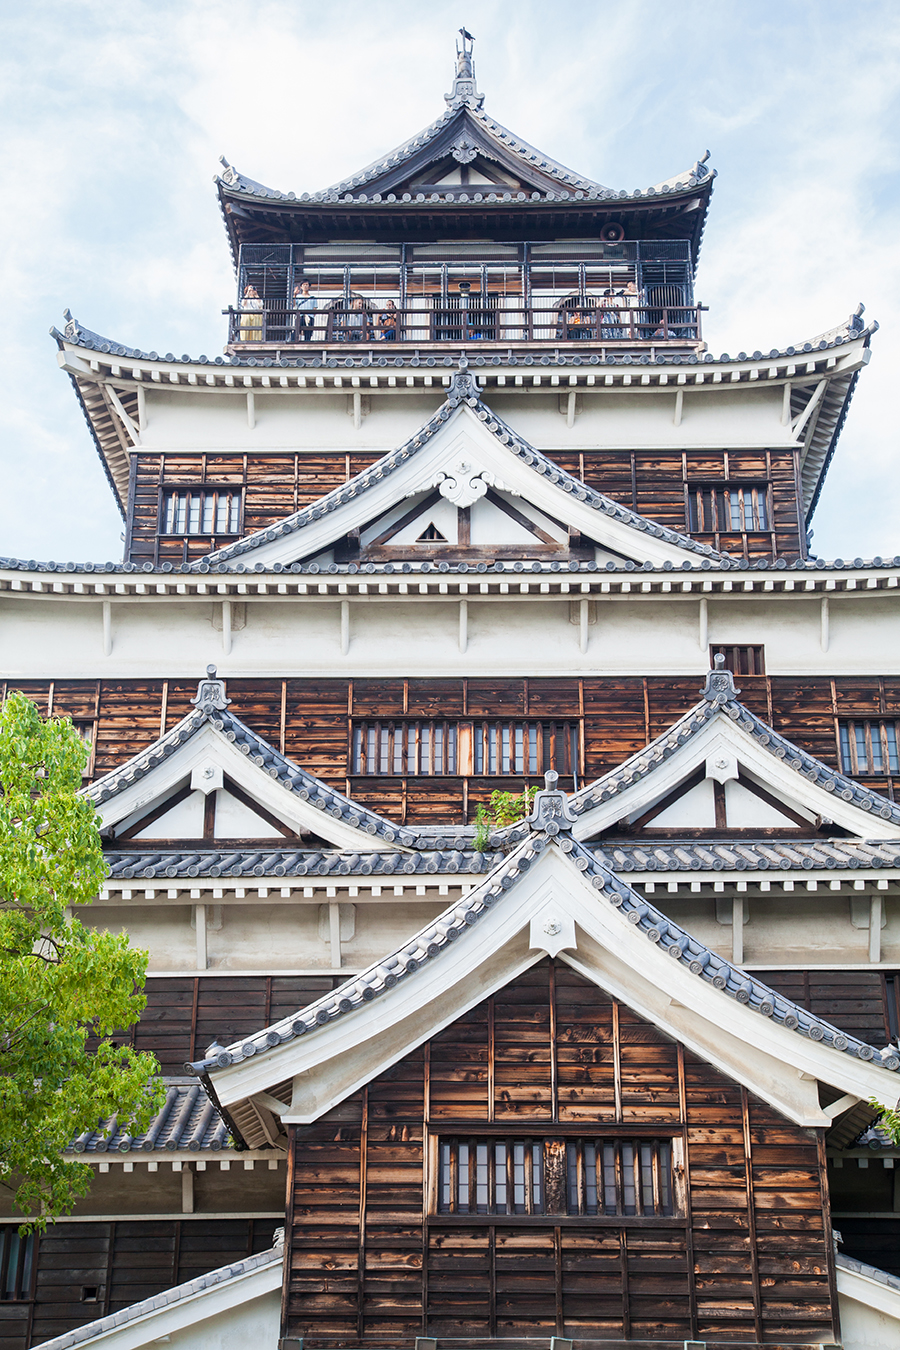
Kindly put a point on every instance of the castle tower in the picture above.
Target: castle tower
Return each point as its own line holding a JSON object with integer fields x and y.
{"x": 466, "y": 506}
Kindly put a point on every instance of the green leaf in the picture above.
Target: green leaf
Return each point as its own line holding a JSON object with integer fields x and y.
{"x": 62, "y": 983}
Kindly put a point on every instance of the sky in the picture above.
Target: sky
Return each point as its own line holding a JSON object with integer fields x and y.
{"x": 114, "y": 118}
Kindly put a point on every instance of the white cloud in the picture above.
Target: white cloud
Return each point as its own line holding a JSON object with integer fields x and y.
{"x": 115, "y": 120}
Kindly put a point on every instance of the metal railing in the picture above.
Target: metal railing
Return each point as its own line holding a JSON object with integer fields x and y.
{"x": 596, "y": 321}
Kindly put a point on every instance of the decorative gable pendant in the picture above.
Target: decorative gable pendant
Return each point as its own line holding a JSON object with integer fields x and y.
{"x": 464, "y": 150}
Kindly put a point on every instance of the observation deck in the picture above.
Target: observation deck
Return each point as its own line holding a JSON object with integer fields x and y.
{"x": 618, "y": 295}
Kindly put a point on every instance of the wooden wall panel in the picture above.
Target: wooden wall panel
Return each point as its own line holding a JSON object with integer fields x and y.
{"x": 312, "y": 719}
{"x": 186, "y": 1013}
{"x": 853, "y": 1000}
{"x": 276, "y": 485}
{"x": 127, "y": 1261}
{"x": 745, "y": 1257}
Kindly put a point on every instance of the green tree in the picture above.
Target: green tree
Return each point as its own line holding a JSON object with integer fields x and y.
{"x": 60, "y": 982}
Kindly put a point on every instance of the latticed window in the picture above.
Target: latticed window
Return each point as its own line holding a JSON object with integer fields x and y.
{"x": 202, "y": 510}
{"x": 740, "y": 660}
{"x": 486, "y": 749}
{"x": 500, "y": 748}
{"x": 587, "y": 1176}
{"x": 869, "y": 747}
{"x": 16, "y": 1264}
{"x": 728, "y": 509}
{"x": 404, "y": 748}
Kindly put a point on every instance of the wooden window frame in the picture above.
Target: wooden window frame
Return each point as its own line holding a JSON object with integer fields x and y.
{"x": 466, "y": 754}
{"x": 888, "y": 730}
{"x": 22, "y": 1283}
{"x": 714, "y": 532}
{"x": 201, "y": 489}
{"x": 751, "y": 653}
{"x": 549, "y": 1200}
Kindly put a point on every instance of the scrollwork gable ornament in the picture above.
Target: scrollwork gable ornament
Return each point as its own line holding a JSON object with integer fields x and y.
{"x": 465, "y": 484}
{"x": 464, "y": 150}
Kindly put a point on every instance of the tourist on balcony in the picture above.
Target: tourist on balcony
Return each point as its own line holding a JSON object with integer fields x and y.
{"x": 631, "y": 300}
{"x": 610, "y": 328}
{"x": 356, "y": 322}
{"x": 387, "y": 322}
{"x": 251, "y": 323}
{"x": 305, "y": 304}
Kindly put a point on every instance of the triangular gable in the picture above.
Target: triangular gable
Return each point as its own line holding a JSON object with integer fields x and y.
{"x": 211, "y": 751}
{"x": 464, "y": 451}
{"x": 549, "y": 896}
{"x": 768, "y": 781}
{"x": 460, "y": 138}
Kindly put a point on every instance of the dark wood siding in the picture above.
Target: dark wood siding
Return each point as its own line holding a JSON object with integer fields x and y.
{"x": 186, "y": 1013}
{"x": 854, "y": 1000}
{"x": 121, "y": 1263}
{"x": 311, "y": 721}
{"x": 653, "y": 483}
{"x": 273, "y": 486}
{"x": 746, "y": 1257}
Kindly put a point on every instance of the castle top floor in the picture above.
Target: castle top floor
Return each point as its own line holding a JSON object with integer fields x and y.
{"x": 466, "y": 234}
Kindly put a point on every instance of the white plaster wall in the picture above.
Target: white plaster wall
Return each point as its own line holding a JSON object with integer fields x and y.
{"x": 255, "y": 1324}
{"x": 273, "y": 937}
{"x": 312, "y": 419}
{"x": 63, "y": 638}
{"x": 803, "y": 928}
{"x": 162, "y": 930}
{"x": 865, "y": 1328}
{"x": 638, "y": 417}
{"x": 381, "y": 929}
{"x": 303, "y": 420}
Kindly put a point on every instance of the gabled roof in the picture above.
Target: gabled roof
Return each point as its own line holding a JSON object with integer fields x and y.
{"x": 464, "y": 429}
{"x": 719, "y": 726}
{"x": 462, "y": 134}
{"x": 186, "y": 1306}
{"x": 212, "y": 737}
{"x": 554, "y": 890}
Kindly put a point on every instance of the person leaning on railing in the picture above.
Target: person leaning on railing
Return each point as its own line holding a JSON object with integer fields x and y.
{"x": 387, "y": 322}
{"x": 251, "y": 322}
{"x": 305, "y": 304}
{"x": 356, "y": 321}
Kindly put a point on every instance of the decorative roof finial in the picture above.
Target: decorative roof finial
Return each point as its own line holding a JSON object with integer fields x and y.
{"x": 550, "y": 811}
{"x": 465, "y": 90}
{"x": 719, "y": 687}
{"x": 210, "y": 695}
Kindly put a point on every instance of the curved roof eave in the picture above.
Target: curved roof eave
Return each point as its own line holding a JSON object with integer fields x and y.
{"x": 548, "y": 827}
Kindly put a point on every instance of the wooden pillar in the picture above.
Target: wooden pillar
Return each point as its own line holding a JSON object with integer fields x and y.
{"x": 107, "y": 628}
{"x": 345, "y": 627}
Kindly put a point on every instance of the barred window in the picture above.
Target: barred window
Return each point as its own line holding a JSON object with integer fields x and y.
{"x": 202, "y": 510}
{"x": 87, "y": 731}
{"x": 404, "y": 748}
{"x": 731, "y": 508}
{"x": 869, "y": 747}
{"x": 484, "y": 749}
{"x": 524, "y": 748}
{"x": 582, "y": 1176}
{"x": 740, "y": 660}
{"x": 16, "y": 1264}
